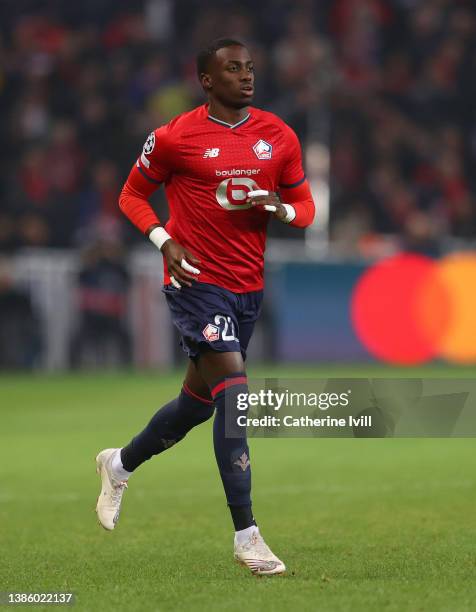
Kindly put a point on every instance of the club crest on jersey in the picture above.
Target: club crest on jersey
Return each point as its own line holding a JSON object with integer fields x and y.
{"x": 263, "y": 150}
{"x": 211, "y": 332}
{"x": 211, "y": 153}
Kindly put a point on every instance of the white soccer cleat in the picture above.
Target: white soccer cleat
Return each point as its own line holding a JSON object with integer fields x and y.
{"x": 258, "y": 556}
{"x": 110, "y": 498}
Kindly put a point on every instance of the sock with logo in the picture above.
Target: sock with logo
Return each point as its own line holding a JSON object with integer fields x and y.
{"x": 167, "y": 427}
{"x": 242, "y": 536}
{"x": 231, "y": 448}
{"x": 118, "y": 470}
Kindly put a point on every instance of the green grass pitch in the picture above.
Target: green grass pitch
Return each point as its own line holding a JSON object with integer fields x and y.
{"x": 384, "y": 525}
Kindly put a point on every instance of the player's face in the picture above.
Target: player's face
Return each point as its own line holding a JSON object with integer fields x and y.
{"x": 231, "y": 77}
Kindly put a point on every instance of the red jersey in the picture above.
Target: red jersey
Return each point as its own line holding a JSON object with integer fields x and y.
{"x": 208, "y": 167}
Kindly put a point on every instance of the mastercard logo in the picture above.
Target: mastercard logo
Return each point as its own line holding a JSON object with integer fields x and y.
{"x": 409, "y": 309}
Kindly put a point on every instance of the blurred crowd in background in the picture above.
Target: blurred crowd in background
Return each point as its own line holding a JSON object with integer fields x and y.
{"x": 403, "y": 114}
{"x": 388, "y": 85}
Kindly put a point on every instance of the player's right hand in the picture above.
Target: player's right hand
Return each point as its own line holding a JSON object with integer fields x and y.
{"x": 179, "y": 261}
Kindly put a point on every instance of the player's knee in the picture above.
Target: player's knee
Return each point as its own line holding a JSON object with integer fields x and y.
{"x": 216, "y": 365}
{"x": 195, "y": 408}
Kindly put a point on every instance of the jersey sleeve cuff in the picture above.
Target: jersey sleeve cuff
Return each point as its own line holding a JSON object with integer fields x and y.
{"x": 291, "y": 185}
{"x": 145, "y": 175}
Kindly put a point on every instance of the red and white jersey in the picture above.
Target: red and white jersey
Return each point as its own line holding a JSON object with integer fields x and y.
{"x": 208, "y": 167}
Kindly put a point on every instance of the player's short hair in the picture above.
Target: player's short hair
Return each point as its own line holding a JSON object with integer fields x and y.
{"x": 204, "y": 56}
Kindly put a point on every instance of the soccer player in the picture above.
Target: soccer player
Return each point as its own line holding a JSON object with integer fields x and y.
{"x": 223, "y": 165}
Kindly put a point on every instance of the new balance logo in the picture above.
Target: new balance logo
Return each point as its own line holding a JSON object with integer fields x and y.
{"x": 211, "y": 153}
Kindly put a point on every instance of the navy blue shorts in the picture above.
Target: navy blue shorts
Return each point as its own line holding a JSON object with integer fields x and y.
{"x": 209, "y": 317}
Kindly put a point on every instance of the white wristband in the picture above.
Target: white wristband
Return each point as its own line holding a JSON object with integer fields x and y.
{"x": 290, "y": 213}
{"x": 159, "y": 236}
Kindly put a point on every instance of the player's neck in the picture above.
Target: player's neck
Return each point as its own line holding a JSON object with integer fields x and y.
{"x": 225, "y": 113}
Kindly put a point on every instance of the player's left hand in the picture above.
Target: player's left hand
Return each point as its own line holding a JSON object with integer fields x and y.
{"x": 269, "y": 202}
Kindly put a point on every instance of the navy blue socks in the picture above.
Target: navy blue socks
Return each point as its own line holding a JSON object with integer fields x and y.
{"x": 231, "y": 448}
{"x": 172, "y": 422}
{"x": 169, "y": 425}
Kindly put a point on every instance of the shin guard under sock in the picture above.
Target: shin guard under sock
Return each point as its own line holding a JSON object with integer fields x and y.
{"x": 231, "y": 448}
{"x": 169, "y": 425}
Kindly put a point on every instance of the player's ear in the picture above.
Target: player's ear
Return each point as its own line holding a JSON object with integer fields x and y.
{"x": 206, "y": 80}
